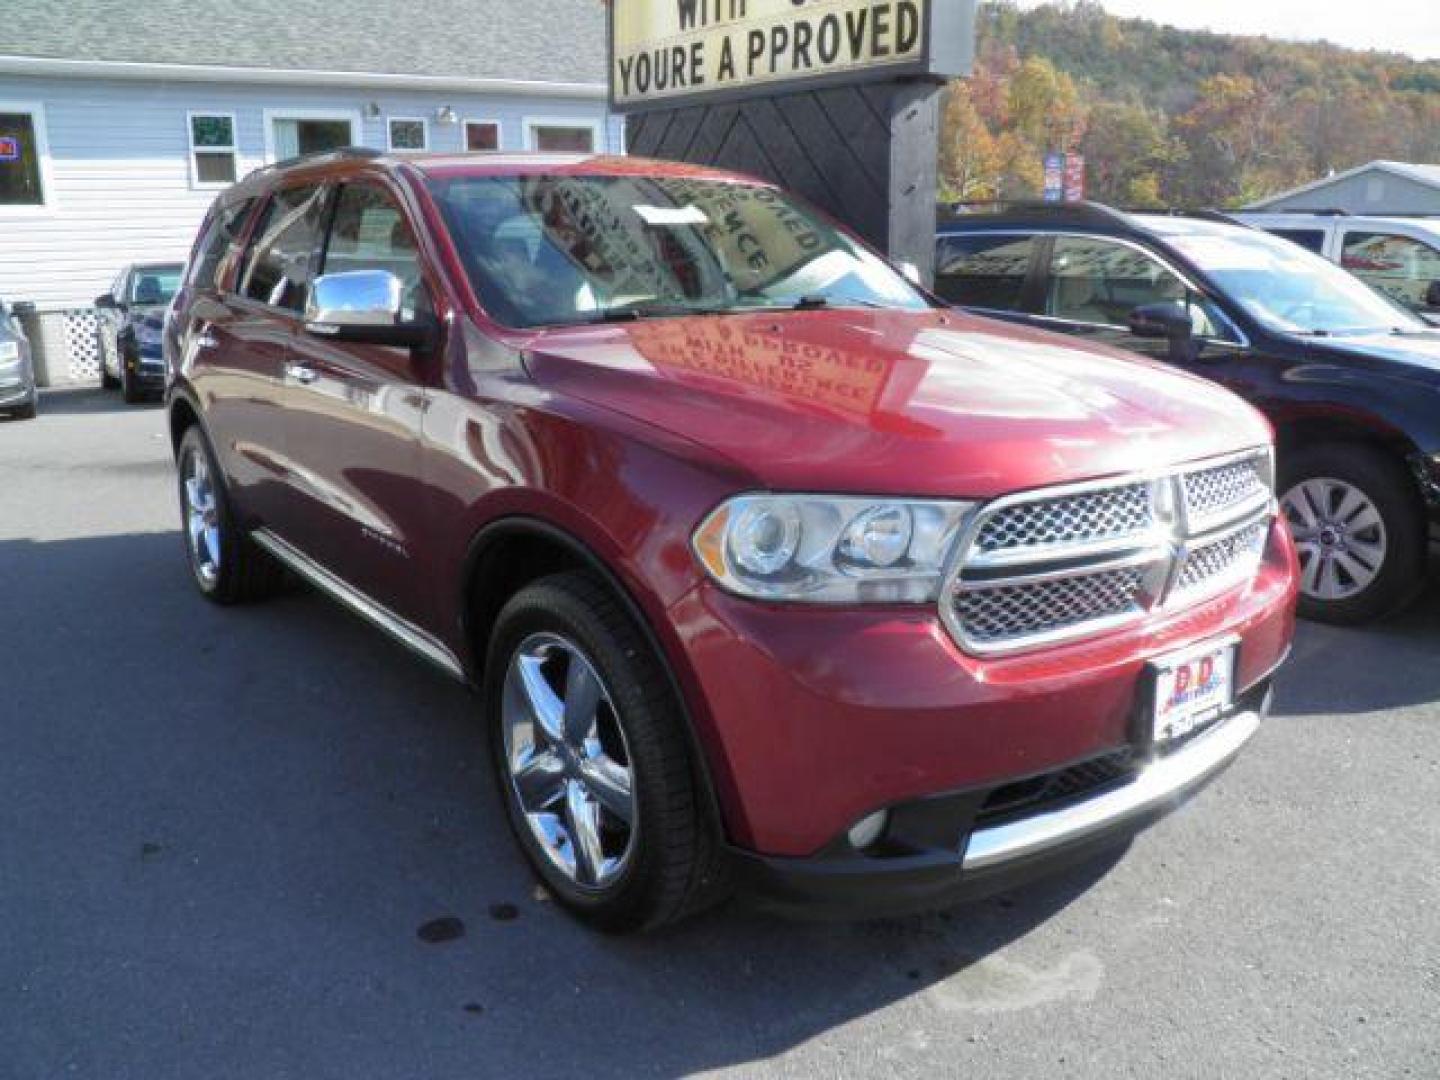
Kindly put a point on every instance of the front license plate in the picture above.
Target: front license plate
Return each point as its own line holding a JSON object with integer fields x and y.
{"x": 1192, "y": 689}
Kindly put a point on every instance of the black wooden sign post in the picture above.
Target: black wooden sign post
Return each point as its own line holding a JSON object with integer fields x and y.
{"x": 835, "y": 99}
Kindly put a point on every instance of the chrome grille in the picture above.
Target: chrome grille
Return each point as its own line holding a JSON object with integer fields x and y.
{"x": 1000, "y": 613}
{"x": 1212, "y": 492}
{"x": 1220, "y": 561}
{"x": 1088, "y": 517}
{"x": 1064, "y": 563}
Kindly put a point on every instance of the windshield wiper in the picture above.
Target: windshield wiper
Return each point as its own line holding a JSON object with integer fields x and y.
{"x": 815, "y": 302}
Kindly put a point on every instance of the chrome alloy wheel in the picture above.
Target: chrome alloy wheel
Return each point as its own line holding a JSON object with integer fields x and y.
{"x": 1339, "y": 536}
{"x": 567, "y": 760}
{"x": 202, "y": 517}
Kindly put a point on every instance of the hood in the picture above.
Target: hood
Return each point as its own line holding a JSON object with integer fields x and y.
{"x": 1419, "y": 352}
{"x": 893, "y": 402}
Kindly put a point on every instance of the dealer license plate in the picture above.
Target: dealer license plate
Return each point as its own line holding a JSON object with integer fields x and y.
{"x": 1192, "y": 689}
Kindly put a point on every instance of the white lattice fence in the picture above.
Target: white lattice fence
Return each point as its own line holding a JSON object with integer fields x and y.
{"x": 82, "y": 345}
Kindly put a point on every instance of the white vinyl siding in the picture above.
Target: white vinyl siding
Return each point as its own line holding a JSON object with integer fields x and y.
{"x": 117, "y": 166}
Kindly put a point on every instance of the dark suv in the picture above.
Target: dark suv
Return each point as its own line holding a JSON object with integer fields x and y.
{"x": 766, "y": 566}
{"x": 1350, "y": 379}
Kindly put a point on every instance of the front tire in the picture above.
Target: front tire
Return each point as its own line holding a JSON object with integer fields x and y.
{"x": 225, "y": 564}
{"x": 592, "y": 760}
{"x": 1359, "y": 530}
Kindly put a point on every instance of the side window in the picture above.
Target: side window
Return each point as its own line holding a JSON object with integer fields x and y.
{"x": 983, "y": 270}
{"x": 370, "y": 233}
{"x": 280, "y": 263}
{"x": 219, "y": 244}
{"x": 1309, "y": 239}
{"x": 1099, "y": 282}
{"x": 1401, "y": 267}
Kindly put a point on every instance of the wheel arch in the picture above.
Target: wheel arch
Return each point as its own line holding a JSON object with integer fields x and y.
{"x": 511, "y": 552}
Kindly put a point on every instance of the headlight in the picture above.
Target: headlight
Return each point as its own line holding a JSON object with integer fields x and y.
{"x": 822, "y": 549}
{"x": 9, "y": 352}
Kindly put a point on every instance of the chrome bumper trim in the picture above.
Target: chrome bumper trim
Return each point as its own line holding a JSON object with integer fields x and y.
{"x": 1163, "y": 781}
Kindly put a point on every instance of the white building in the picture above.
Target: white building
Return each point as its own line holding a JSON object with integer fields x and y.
{"x": 120, "y": 119}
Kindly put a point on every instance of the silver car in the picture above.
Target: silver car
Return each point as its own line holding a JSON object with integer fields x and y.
{"x": 18, "y": 396}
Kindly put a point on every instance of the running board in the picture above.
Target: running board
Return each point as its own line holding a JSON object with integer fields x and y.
{"x": 406, "y": 633}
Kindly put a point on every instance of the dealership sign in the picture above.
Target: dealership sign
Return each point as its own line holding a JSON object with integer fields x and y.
{"x": 663, "y": 52}
{"x": 9, "y": 148}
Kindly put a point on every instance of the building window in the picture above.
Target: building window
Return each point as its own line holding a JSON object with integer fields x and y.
{"x": 577, "y": 137}
{"x": 22, "y": 156}
{"x": 213, "y": 161}
{"x": 408, "y": 134}
{"x": 296, "y": 133}
{"x": 482, "y": 135}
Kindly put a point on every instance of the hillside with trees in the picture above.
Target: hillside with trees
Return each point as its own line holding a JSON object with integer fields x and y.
{"x": 1168, "y": 117}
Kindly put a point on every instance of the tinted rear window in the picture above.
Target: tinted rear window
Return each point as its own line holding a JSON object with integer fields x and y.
{"x": 1309, "y": 239}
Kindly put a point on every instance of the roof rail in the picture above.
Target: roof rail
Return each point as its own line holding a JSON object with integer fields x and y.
{"x": 340, "y": 153}
{"x": 1035, "y": 210}
{"x": 1333, "y": 211}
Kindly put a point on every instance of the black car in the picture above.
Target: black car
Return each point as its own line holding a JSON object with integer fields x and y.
{"x": 138, "y": 299}
{"x": 18, "y": 396}
{"x": 1350, "y": 379}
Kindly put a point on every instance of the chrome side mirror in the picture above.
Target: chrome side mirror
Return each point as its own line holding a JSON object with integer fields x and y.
{"x": 365, "y": 306}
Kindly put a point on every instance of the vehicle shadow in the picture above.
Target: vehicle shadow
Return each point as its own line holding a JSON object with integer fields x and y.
{"x": 1352, "y": 669}
{"x": 85, "y": 400}
{"x": 230, "y": 824}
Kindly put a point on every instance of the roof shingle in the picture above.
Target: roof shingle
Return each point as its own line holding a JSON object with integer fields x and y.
{"x": 559, "y": 41}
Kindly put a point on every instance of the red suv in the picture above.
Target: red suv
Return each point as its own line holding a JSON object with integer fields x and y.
{"x": 769, "y": 570}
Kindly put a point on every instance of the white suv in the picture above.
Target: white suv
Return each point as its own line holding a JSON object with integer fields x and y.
{"x": 1400, "y": 256}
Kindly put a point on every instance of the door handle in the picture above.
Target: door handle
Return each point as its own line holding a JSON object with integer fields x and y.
{"x": 301, "y": 373}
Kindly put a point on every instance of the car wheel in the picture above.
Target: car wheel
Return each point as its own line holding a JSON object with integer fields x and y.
{"x": 225, "y": 564}
{"x": 592, "y": 759}
{"x": 28, "y": 412}
{"x": 107, "y": 381}
{"x": 1359, "y": 531}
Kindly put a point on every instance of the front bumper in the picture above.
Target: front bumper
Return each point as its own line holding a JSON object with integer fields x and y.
{"x": 812, "y": 718}
{"x": 17, "y": 396}
{"x": 993, "y": 857}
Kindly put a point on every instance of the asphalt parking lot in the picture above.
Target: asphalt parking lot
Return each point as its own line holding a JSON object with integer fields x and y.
{"x": 221, "y": 833}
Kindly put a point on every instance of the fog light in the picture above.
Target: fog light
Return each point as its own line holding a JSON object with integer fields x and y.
{"x": 869, "y": 829}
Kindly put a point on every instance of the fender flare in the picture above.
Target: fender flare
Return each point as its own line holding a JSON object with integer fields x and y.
{"x": 525, "y": 525}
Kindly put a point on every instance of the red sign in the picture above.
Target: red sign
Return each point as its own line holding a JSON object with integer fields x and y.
{"x": 9, "y": 148}
{"x": 1074, "y": 178}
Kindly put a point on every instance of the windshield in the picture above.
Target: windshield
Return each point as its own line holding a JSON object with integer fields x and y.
{"x": 1287, "y": 289}
{"x": 549, "y": 250}
{"x": 155, "y": 284}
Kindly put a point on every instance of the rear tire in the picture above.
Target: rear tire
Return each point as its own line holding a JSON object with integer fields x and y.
{"x": 661, "y": 865}
{"x": 1359, "y": 528}
{"x": 225, "y": 564}
{"x": 27, "y": 412}
{"x": 107, "y": 381}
